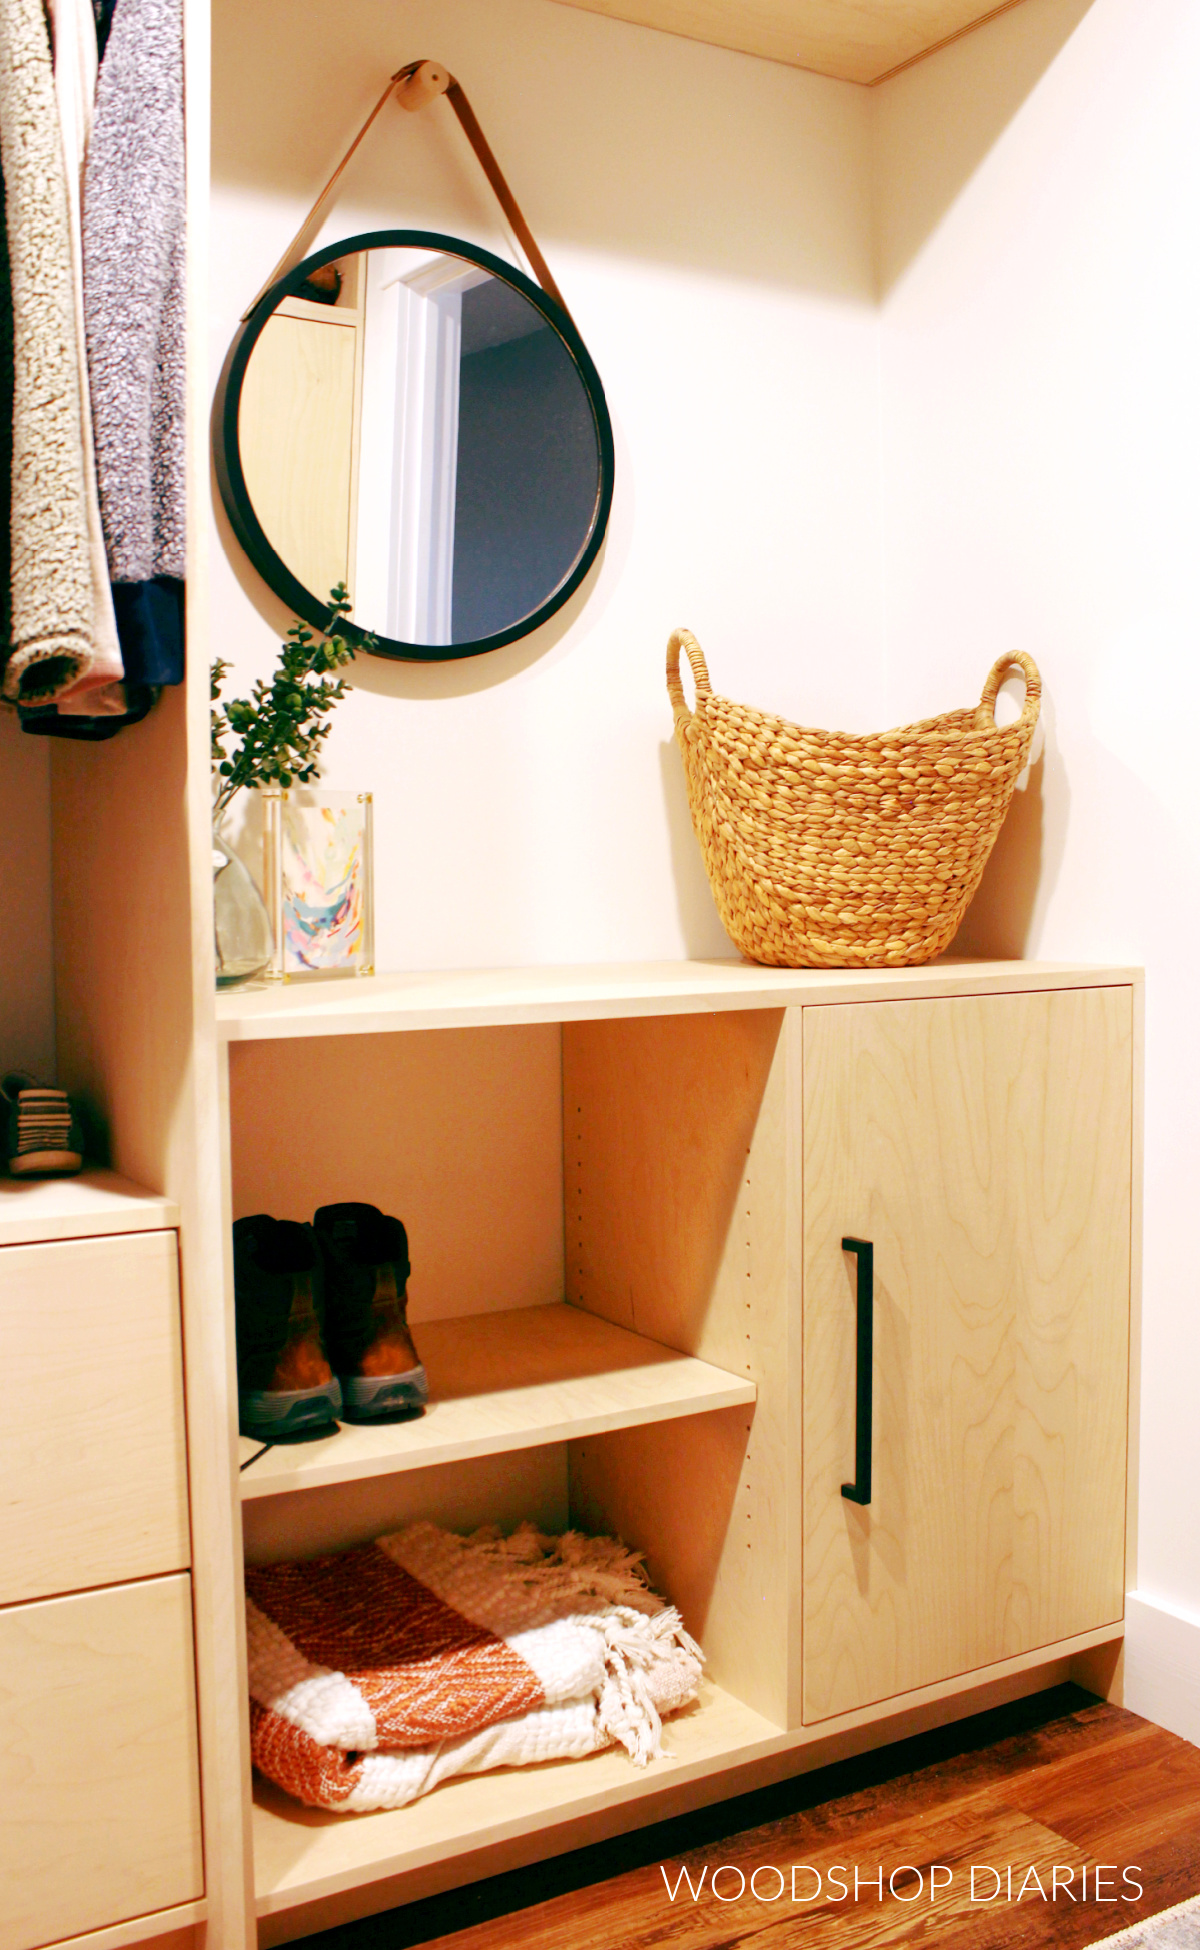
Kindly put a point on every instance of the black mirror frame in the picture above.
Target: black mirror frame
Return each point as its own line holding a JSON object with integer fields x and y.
{"x": 232, "y": 481}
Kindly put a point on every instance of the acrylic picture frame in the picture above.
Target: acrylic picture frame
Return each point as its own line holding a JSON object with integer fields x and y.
{"x": 319, "y": 879}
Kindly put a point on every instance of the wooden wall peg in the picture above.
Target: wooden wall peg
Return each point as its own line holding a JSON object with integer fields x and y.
{"x": 414, "y": 87}
{"x": 422, "y": 83}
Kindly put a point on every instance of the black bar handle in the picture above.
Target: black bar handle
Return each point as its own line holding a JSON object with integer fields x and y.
{"x": 859, "y": 1491}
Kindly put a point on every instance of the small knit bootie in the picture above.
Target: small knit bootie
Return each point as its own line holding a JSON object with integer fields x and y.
{"x": 286, "y": 1386}
{"x": 366, "y": 1287}
{"x": 41, "y": 1133}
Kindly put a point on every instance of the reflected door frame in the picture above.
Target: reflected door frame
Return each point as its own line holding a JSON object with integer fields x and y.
{"x": 420, "y": 313}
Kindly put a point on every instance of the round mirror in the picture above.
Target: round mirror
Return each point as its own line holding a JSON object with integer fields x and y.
{"x": 409, "y": 416}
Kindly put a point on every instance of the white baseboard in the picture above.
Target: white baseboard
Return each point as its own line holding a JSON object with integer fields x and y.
{"x": 1162, "y": 1665}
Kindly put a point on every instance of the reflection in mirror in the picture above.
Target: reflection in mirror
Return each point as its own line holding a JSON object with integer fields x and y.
{"x": 423, "y": 433}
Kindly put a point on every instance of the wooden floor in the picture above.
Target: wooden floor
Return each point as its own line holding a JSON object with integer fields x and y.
{"x": 1057, "y": 1781}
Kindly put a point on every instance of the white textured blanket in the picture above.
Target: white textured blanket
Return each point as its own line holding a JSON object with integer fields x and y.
{"x": 52, "y": 603}
{"x": 380, "y": 1672}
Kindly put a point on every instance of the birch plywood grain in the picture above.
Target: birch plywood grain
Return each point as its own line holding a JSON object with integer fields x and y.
{"x": 167, "y": 1929}
{"x": 499, "y": 1382}
{"x": 301, "y": 1856}
{"x": 296, "y": 436}
{"x": 92, "y": 1452}
{"x": 674, "y": 1146}
{"x": 459, "y": 1134}
{"x": 660, "y": 1121}
{"x": 98, "y": 1763}
{"x": 476, "y": 998}
{"x": 34, "y": 1210}
{"x": 856, "y": 40}
{"x": 136, "y": 1037}
{"x": 983, "y": 1145}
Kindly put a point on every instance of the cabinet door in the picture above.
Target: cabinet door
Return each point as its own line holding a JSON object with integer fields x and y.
{"x": 983, "y": 1145}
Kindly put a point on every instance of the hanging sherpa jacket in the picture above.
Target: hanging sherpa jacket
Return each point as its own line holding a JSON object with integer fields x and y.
{"x": 52, "y": 599}
{"x": 75, "y": 65}
{"x": 379, "y": 1672}
{"x": 133, "y": 258}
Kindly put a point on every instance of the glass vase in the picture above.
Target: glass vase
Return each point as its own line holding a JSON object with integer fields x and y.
{"x": 241, "y": 925}
{"x": 317, "y": 875}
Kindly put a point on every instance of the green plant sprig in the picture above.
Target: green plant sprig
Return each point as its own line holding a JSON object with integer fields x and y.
{"x": 281, "y": 725}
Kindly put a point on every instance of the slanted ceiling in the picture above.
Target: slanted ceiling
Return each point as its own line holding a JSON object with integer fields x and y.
{"x": 856, "y": 40}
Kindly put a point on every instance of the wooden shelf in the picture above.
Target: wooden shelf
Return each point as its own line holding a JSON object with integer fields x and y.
{"x": 854, "y": 40}
{"x": 33, "y": 1210}
{"x": 507, "y": 1381}
{"x": 301, "y": 1854}
{"x": 478, "y": 998}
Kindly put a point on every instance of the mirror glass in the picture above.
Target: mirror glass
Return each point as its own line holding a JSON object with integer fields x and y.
{"x": 428, "y": 431}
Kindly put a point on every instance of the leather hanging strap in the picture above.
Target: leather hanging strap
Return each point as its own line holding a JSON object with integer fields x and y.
{"x": 415, "y": 85}
{"x": 504, "y": 196}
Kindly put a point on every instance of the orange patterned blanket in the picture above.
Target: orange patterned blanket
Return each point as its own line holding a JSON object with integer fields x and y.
{"x": 380, "y": 1671}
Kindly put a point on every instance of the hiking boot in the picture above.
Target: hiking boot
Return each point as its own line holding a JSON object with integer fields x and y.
{"x": 366, "y": 1285}
{"x": 42, "y": 1135}
{"x": 286, "y": 1386}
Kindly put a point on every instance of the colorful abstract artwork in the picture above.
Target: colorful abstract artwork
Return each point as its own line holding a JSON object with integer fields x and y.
{"x": 324, "y": 905}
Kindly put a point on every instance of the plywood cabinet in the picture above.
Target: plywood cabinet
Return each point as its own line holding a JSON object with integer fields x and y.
{"x": 708, "y": 1135}
{"x": 982, "y": 1145}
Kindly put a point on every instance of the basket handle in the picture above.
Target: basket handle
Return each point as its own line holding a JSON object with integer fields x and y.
{"x": 683, "y": 639}
{"x": 985, "y": 716}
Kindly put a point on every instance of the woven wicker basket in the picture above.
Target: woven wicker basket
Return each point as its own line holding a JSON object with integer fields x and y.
{"x": 831, "y": 851}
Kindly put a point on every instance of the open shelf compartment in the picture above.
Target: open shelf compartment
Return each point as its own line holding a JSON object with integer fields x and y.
{"x": 302, "y": 1855}
{"x": 508, "y": 1381}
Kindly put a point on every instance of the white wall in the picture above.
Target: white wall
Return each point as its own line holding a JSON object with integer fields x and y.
{"x": 708, "y": 218}
{"x": 1038, "y": 192}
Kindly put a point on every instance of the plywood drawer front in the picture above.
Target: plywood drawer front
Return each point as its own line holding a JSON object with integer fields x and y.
{"x": 92, "y": 1456}
{"x": 99, "y": 1783}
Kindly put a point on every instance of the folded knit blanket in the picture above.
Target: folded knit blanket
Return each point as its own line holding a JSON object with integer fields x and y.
{"x": 380, "y": 1671}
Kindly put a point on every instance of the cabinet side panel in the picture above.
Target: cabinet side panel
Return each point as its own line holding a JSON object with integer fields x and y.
{"x": 984, "y": 1146}
{"x": 675, "y": 1178}
{"x": 135, "y": 1003}
{"x": 673, "y": 1148}
{"x": 687, "y": 1494}
{"x": 122, "y": 940}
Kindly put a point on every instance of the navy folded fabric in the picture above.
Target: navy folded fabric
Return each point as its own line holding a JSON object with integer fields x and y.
{"x": 150, "y": 628}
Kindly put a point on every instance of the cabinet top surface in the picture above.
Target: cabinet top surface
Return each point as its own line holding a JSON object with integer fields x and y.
{"x": 475, "y": 998}
{"x": 37, "y": 1210}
